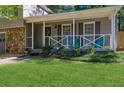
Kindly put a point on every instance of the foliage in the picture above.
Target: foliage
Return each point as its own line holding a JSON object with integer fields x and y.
{"x": 121, "y": 19}
{"x": 73, "y": 52}
{"x": 97, "y": 58}
{"x": 46, "y": 50}
{"x": 10, "y": 11}
{"x": 61, "y": 51}
{"x": 106, "y": 58}
{"x": 90, "y": 49}
{"x": 83, "y": 7}
{"x": 56, "y": 8}
{"x": 69, "y": 8}
{"x": 76, "y": 51}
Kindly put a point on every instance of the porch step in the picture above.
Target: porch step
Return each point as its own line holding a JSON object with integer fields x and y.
{"x": 36, "y": 51}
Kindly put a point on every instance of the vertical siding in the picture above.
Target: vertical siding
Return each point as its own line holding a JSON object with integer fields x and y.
{"x": 105, "y": 26}
{"x": 5, "y": 23}
{"x": 38, "y": 36}
{"x": 120, "y": 40}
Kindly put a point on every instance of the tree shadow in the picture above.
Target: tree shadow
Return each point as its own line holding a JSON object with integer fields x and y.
{"x": 96, "y": 58}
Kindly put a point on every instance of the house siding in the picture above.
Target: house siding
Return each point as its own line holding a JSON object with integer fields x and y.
{"x": 105, "y": 25}
{"x": 38, "y": 36}
{"x": 5, "y": 23}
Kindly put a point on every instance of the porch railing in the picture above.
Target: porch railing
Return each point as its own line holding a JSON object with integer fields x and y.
{"x": 82, "y": 41}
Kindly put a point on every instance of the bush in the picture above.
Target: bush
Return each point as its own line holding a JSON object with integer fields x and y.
{"x": 61, "y": 51}
{"x": 46, "y": 50}
{"x": 76, "y": 51}
{"x": 106, "y": 58}
{"x": 91, "y": 49}
{"x": 73, "y": 52}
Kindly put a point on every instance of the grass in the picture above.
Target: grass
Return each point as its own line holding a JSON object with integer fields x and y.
{"x": 61, "y": 72}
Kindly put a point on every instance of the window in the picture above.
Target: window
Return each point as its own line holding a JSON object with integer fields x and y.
{"x": 89, "y": 28}
{"x": 66, "y": 29}
{"x": 89, "y": 32}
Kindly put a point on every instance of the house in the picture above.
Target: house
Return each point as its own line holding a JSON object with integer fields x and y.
{"x": 73, "y": 29}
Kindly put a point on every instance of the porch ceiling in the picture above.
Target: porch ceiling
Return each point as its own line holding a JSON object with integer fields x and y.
{"x": 84, "y": 14}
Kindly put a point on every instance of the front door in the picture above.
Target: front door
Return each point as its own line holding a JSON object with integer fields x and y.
{"x": 2, "y": 43}
{"x": 66, "y": 32}
{"x": 47, "y": 35}
{"x": 89, "y": 32}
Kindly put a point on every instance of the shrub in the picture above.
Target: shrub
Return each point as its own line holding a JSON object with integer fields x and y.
{"x": 76, "y": 51}
{"x": 106, "y": 58}
{"x": 46, "y": 50}
{"x": 91, "y": 49}
{"x": 61, "y": 51}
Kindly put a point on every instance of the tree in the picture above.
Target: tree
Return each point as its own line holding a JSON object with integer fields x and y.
{"x": 69, "y": 8}
{"x": 121, "y": 19}
{"x": 9, "y": 11}
{"x": 56, "y": 8}
{"x": 81, "y": 7}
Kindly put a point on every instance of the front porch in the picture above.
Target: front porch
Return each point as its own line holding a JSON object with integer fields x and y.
{"x": 72, "y": 33}
{"x": 75, "y": 29}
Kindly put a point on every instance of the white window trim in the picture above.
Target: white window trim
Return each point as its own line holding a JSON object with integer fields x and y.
{"x": 29, "y": 37}
{"x": 62, "y": 30}
{"x": 92, "y": 22}
{"x": 65, "y": 25}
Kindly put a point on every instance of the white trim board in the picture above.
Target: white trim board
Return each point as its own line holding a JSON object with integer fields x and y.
{"x": 66, "y": 25}
{"x": 92, "y": 22}
{"x": 70, "y": 31}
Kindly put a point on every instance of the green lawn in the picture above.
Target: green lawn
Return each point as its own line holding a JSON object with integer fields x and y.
{"x": 59, "y": 72}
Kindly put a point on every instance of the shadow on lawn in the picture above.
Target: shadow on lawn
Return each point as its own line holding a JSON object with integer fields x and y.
{"x": 22, "y": 58}
{"x": 94, "y": 58}
{"x": 97, "y": 58}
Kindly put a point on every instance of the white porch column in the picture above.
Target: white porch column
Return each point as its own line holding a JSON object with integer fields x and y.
{"x": 32, "y": 35}
{"x": 43, "y": 33}
{"x": 73, "y": 32}
{"x": 113, "y": 41}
